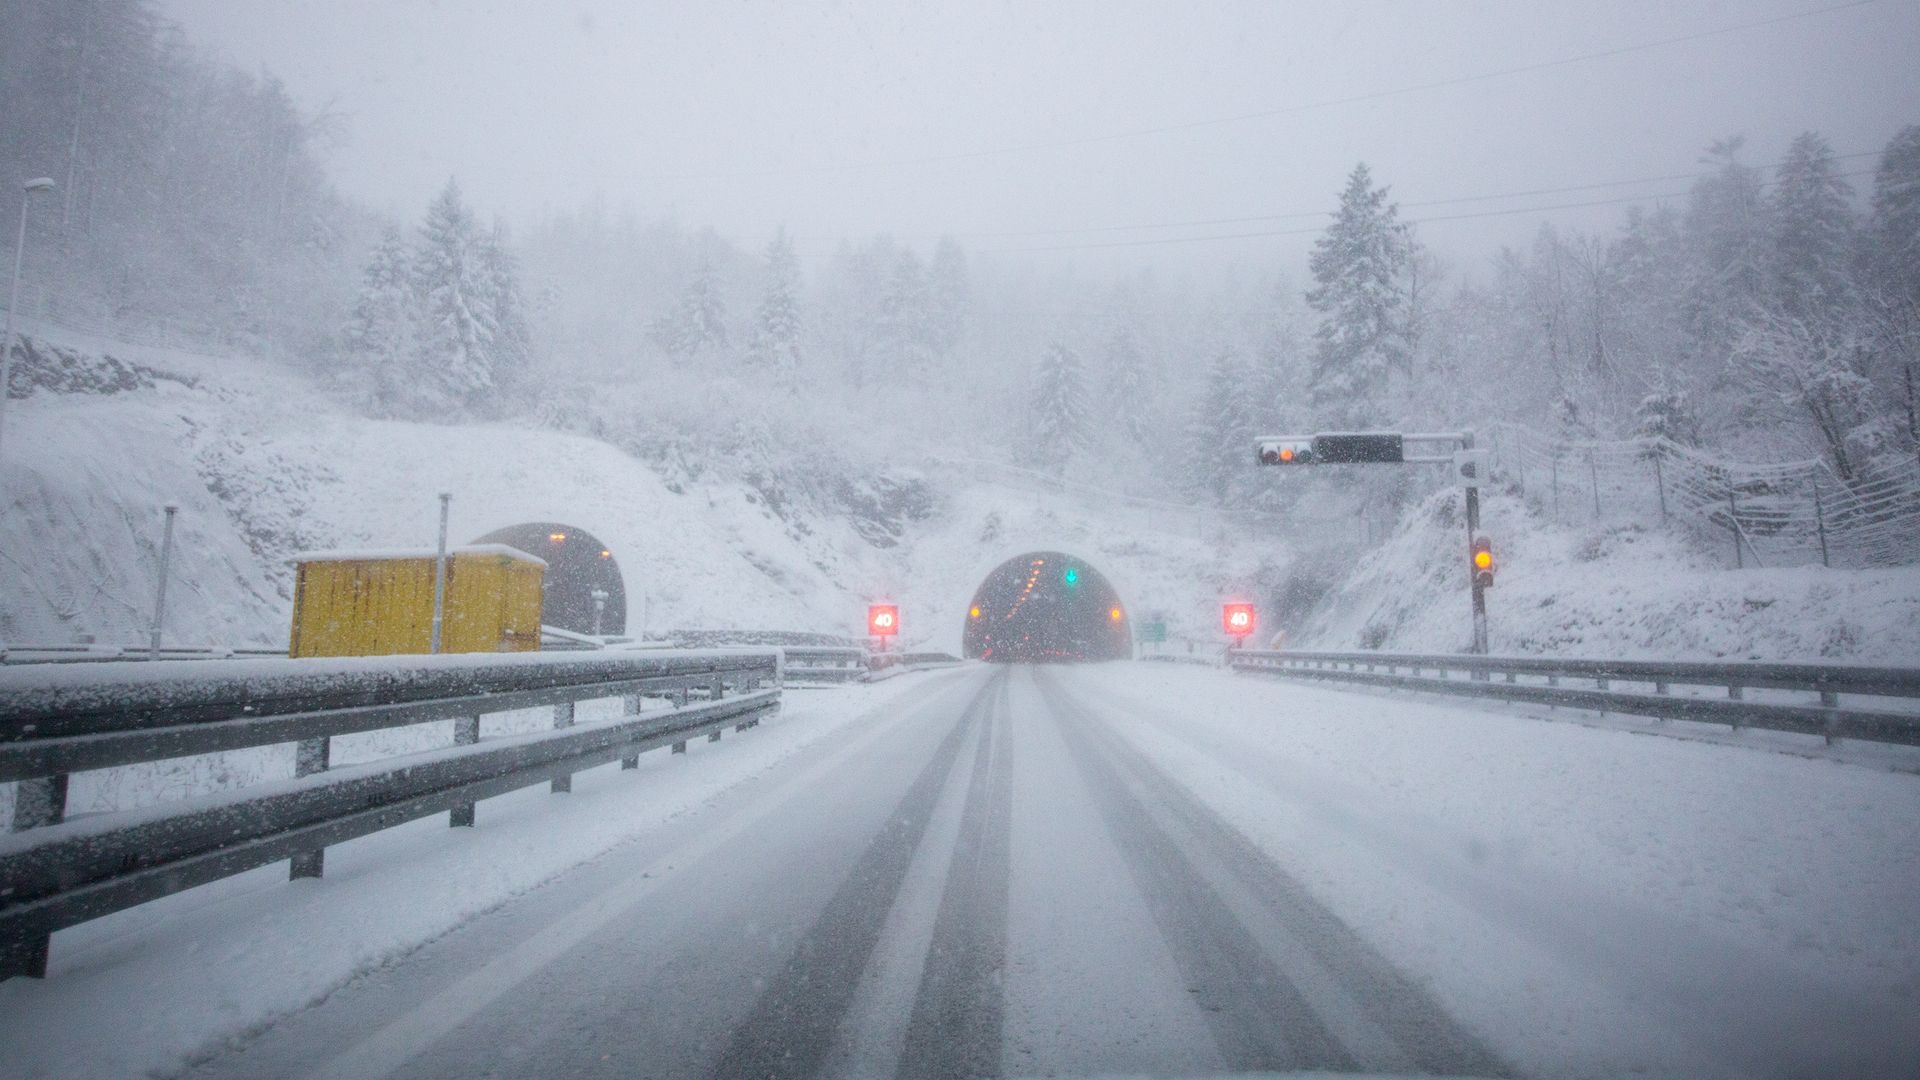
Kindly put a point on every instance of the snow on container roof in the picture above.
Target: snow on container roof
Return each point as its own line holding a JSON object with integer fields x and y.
{"x": 386, "y": 554}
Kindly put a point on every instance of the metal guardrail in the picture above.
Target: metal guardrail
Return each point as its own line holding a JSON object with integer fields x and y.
{"x": 55, "y": 720}
{"x": 82, "y": 654}
{"x": 1823, "y": 714}
{"x": 838, "y": 664}
{"x": 825, "y": 664}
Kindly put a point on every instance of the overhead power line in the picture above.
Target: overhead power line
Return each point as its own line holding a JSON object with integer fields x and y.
{"x": 1286, "y": 110}
{"x": 1311, "y": 214}
{"x": 1269, "y": 233}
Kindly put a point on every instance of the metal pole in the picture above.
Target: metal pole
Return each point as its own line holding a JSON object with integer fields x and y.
{"x": 1556, "y": 486}
{"x": 1473, "y": 579}
{"x": 13, "y": 299}
{"x": 160, "y": 591}
{"x": 1733, "y": 523}
{"x": 599, "y": 609}
{"x": 1593, "y": 473}
{"x": 1660, "y": 483}
{"x": 1820, "y": 521}
{"x": 440, "y": 575}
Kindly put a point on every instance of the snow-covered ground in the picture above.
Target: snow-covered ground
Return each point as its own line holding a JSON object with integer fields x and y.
{"x": 1578, "y": 901}
{"x": 1608, "y": 902}
{"x": 215, "y": 962}
{"x": 1621, "y": 591}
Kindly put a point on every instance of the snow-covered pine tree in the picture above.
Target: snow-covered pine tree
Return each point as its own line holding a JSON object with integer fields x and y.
{"x": 1129, "y": 398}
{"x": 379, "y": 340}
{"x": 1893, "y": 231}
{"x": 1223, "y": 428}
{"x": 776, "y": 332}
{"x": 903, "y": 337}
{"x": 511, "y": 350}
{"x": 1059, "y": 409}
{"x": 1359, "y": 265}
{"x": 947, "y": 296}
{"x": 1726, "y": 230}
{"x": 1812, "y": 223}
{"x": 698, "y": 323}
{"x": 457, "y": 325}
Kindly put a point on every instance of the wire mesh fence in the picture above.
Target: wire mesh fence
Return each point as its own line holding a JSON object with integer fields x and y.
{"x": 1784, "y": 514}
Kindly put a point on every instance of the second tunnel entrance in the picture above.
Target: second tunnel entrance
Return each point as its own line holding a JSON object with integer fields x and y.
{"x": 1047, "y": 606}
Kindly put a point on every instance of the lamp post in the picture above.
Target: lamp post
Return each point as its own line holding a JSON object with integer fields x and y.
{"x": 13, "y": 302}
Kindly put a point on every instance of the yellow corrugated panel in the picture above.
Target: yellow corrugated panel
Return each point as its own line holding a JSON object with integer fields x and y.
{"x": 379, "y": 606}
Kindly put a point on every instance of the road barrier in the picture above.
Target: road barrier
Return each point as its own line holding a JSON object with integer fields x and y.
{"x": 1708, "y": 691}
{"x": 58, "y": 720}
{"x": 852, "y": 664}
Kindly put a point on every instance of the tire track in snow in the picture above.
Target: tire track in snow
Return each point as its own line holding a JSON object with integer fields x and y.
{"x": 1284, "y": 984}
{"x": 955, "y": 1028}
{"x": 795, "y": 1022}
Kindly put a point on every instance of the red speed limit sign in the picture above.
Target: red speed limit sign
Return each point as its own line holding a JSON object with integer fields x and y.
{"x": 1237, "y": 619}
{"x": 883, "y": 620}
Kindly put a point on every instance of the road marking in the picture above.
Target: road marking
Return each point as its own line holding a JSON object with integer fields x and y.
{"x": 386, "y": 1050}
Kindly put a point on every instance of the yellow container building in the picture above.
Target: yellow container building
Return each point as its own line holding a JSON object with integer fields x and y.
{"x": 380, "y": 603}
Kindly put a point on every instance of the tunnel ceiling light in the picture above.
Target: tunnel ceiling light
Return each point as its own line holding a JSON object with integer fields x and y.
{"x": 605, "y": 554}
{"x": 557, "y": 537}
{"x": 973, "y": 612}
{"x": 1114, "y": 614}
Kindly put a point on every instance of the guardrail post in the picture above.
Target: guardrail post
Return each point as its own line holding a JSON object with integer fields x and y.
{"x": 309, "y": 756}
{"x": 466, "y": 732}
{"x": 40, "y": 801}
{"x": 1830, "y": 700}
{"x": 562, "y": 717}
{"x": 631, "y": 708}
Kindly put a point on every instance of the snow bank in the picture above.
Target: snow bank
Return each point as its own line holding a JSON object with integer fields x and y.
{"x": 1623, "y": 591}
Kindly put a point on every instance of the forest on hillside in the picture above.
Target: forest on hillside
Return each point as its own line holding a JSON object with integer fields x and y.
{"x": 1773, "y": 312}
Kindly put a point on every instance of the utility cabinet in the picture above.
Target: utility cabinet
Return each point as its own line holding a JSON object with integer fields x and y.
{"x": 380, "y": 603}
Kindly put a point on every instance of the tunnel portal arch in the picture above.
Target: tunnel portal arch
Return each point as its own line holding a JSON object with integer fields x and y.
{"x": 577, "y": 564}
{"x": 1047, "y": 606}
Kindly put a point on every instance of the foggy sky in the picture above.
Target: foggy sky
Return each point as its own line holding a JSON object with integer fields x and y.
{"x": 823, "y": 116}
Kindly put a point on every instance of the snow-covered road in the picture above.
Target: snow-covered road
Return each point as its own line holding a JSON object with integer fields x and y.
{"x": 1145, "y": 868}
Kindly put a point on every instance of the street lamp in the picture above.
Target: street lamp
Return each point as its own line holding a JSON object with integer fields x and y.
{"x": 13, "y": 301}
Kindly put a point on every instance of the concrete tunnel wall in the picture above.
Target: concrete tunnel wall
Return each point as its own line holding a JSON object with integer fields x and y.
{"x": 1047, "y": 606}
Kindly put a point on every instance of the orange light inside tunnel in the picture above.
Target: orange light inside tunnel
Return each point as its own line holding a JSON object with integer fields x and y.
{"x": 558, "y": 538}
{"x": 1114, "y": 614}
{"x": 605, "y": 554}
{"x": 973, "y": 612}
{"x": 1483, "y": 560}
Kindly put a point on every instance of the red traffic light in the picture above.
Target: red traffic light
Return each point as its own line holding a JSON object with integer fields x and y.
{"x": 1287, "y": 450}
{"x": 1482, "y": 559}
{"x": 883, "y": 620}
{"x": 1237, "y": 619}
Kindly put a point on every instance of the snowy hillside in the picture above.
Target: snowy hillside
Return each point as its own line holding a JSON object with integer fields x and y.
{"x": 1622, "y": 591}
{"x": 263, "y": 465}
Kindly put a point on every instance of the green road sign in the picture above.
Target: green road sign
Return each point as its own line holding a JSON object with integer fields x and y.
{"x": 1154, "y": 632}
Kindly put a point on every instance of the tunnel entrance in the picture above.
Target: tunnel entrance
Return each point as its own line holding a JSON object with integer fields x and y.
{"x": 1047, "y": 607}
{"x": 577, "y": 564}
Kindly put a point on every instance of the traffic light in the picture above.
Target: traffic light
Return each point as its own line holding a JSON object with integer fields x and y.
{"x": 1237, "y": 619}
{"x": 1287, "y": 450}
{"x": 883, "y": 620}
{"x": 1072, "y": 576}
{"x": 1482, "y": 563}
